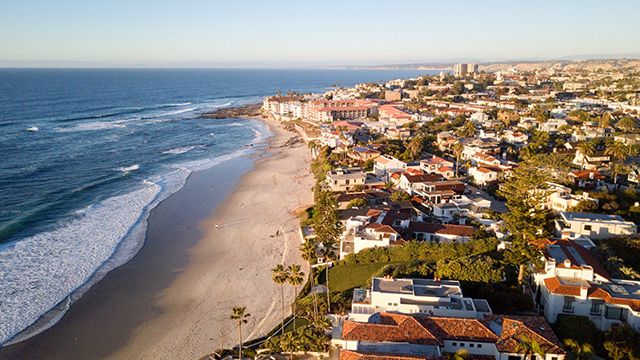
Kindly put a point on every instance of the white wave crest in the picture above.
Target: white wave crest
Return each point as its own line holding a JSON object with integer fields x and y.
{"x": 182, "y": 149}
{"x": 130, "y": 168}
{"x": 93, "y": 126}
{"x": 40, "y": 271}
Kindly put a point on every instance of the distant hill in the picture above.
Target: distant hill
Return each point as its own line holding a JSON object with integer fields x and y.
{"x": 568, "y": 65}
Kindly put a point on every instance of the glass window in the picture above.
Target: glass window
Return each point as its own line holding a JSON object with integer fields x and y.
{"x": 613, "y": 313}
{"x": 596, "y": 307}
{"x": 454, "y": 344}
{"x": 568, "y": 304}
{"x": 587, "y": 227}
{"x": 479, "y": 346}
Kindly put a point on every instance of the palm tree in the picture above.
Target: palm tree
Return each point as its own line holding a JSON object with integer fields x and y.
{"x": 457, "y": 150}
{"x": 579, "y": 351}
{"x": 617, "y": 151}
{"x": 296, "y": 277}
{"x": 467, "y": 130}
{"x": 289, "y": 343}
{"x": 605, "y": 120}
{"x": 280, "y": 275}
{"x": 586, "y": 148}
{"x": 627, "y": 124}
{"x": 529, "y": 348}
{"x": 240, "y": 315}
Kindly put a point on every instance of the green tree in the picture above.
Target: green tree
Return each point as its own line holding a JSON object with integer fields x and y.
{"x": 326, "y": 224}
{"x": 467, "y": 130}
{"x": 529, "y": 348}
{"x": 627, "y": 124}
{"x": 605, "y": 120}
{"x": 579, "y": 351}
{"x": 280, "y": 275}
{"x": 358, "y": 203}
{"x": 400, "y": 195}
{"x": 526, "y": 219}
{"x": 415, "y": 148}
{"x": 618, "y": 152}
{"x": 240, "y": 316}
{"x": 586, "y": 148}
{"x": 622, "y": 343}
{"x": 457, "y": 149}
{"x": 295, "y": 278}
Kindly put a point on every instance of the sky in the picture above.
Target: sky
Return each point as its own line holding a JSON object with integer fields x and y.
{"x": 288, "y": 33}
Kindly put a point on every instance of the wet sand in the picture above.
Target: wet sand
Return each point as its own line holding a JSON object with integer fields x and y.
{"x": 209, "y": 247}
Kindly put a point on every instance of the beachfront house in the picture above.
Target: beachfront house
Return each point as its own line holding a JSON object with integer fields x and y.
{"x": 573, "y": 282}
{"x": 415, "y": 296}
{"x": 424, "y": 337}
{"x": 345, "y": 179}
{"x": 595, "y": 226}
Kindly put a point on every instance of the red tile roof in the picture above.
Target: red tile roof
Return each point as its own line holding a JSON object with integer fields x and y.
{"x": 554, "y": 285}
{"x": 515, "y": 328}
{"x": 354, "y": 355}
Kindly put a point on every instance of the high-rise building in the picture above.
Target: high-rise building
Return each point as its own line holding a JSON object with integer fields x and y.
{"x": 472, "y": 68}
{"x": 460, "y": 70}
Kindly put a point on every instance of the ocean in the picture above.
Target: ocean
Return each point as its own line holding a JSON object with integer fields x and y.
{"x": 87, "y": 153}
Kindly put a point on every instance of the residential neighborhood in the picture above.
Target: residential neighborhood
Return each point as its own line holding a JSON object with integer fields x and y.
{"x": 516, "y": 187}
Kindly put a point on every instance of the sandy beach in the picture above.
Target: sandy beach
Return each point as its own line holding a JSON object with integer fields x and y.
{"x": 252, "y": 231}
{"x": 173, "y": 300}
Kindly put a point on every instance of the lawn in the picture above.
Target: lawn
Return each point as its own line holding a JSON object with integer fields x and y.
{"x": 344, "y": 277}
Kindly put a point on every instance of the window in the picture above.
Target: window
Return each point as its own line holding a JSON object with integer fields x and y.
{"x": 471, "y": 345}
{"x": 479, "y": 346}
{"x": 615, "y": 313}
{"x": 568, "y": 304}
{"x": 596, "y": 307}
{"x": 454, "y": 344}
{"x": 587, "y": 228}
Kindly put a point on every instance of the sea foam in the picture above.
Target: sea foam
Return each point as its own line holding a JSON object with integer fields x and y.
{"x": 40, "y": 271}
{"x": 45, "y": 273}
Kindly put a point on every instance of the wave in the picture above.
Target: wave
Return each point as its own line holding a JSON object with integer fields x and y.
{"x": 42, "y": 270}
{"x": 126, "y": 169}
{"x": 123, "y": 111}
{"x": 182, "y": 149}
{"x": 92, "y": 126}
{"x": 48, "y": 271}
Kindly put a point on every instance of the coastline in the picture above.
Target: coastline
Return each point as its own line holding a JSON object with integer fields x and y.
{"x": 166, "y": 298}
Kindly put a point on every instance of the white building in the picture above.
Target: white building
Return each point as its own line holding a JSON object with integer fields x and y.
{"x": 385, "y": 165}
{"x": 561, "y": 199}
{"x": 572, "y": 282}
{"x": 483, "y": 176}
{"x": 410, "y": 296}
{"x": 361, "y": 233}
{"x": 398, "y": 336}
{"x": 595, "y": 226}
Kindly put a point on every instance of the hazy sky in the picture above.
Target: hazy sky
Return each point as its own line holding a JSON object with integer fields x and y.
{"x": 309, "y": 33}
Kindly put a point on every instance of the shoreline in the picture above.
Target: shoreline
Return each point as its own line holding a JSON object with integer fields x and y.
{"x": 135, "y": 236}
{"x": 139, "y": 343}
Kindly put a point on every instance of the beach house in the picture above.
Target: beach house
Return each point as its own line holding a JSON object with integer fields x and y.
{"x": 595, "y": 226}
{"x": 398, "y": 336}
{"x": 573, "y": 282}
{"x": 411, "y": 296}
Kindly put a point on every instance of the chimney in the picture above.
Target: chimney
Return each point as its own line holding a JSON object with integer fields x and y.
{"x": 567, "y": 263}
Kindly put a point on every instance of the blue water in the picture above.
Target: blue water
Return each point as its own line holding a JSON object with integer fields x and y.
{"x": 86, "y": 154}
